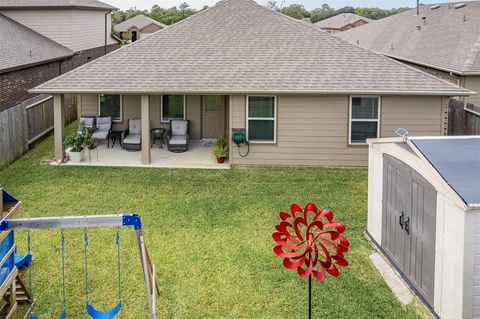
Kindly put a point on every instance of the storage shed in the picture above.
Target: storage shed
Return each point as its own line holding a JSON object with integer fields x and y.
{"x": 424, "y": 215}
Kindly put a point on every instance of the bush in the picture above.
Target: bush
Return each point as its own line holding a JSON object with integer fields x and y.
{"x": 220, "y": 147}
{"x": 78, "y": 139}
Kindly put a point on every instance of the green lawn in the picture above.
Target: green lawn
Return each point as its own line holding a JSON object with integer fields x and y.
{"x": 209, "y": 234}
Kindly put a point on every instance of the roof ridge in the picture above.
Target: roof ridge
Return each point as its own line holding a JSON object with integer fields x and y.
{"x": 475, "y": 56}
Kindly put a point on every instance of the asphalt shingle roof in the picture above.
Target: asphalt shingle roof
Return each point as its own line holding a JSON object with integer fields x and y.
{"x": 461, "y": 171}
{"x": 447, "y": 38}
{"x": 340, "y": 20}
{"x": 240, "y": 46}
{"x": 87, "y": 4}
{"x": 139, "y": 22}
{"x": 21, "y": 46}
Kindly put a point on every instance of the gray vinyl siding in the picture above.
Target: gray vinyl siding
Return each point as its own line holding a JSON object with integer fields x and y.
{"x": 131, "y": 109}
{"x": 313, "y": 130}
{"x": 54, "y": 24}
{"x": 473, "y": 83}
{"x": 88, "y": 29}
{"x": 75, "y": 29}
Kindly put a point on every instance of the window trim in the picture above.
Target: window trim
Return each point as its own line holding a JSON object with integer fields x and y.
{"x": 184, "y": 107}
{"x": 262, "y": 118}
{"x": 121, "y": 107}
{"x": 350, "y": 120}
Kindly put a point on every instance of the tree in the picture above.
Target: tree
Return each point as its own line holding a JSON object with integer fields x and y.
{"x": 322, "y": 13}
{"x": 347, "y": 9}
{"x": 272, "y": 5}
{"x": 296, "y": 11}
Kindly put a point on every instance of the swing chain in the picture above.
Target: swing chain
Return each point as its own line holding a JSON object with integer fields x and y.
{"x": 29, "y": 249}
{"x": 85, "y": 236}
{"x": 118, "y": 265}
{"x": 63, "y": 273}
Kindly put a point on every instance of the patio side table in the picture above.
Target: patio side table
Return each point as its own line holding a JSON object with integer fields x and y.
{"x": 116, "y": 136}
{"x": 157, "y": 133}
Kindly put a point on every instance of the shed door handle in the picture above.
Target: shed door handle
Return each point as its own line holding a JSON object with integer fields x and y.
{"x": 407, "y": 225}
{"x": 401, "y": 219}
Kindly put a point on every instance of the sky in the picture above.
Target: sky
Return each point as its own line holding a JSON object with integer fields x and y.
{"x": 309, "y": 4}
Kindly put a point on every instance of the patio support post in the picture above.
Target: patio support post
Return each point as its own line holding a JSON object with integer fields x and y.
{"x": 145, "y": 130}
{"x": 59, "y": 126}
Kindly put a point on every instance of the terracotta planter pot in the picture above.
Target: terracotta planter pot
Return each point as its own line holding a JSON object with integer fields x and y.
{"x": 221, "y": 160}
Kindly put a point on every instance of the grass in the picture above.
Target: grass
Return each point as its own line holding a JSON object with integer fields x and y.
{"x": 209, "y": 234}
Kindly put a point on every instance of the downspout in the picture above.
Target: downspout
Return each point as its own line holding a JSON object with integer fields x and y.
{"x": 106, "y": 14}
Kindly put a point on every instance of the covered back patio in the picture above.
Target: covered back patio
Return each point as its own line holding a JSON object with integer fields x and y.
{"x": 207, "y": 117}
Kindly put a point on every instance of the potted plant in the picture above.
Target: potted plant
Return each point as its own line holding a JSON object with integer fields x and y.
{"x": 76, "y": 141}
{"x": 220, "y": 149}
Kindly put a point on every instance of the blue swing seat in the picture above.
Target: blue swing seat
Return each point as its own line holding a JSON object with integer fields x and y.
{"x": 23, "y": 260}
{"x": 95, "y": 314}
{"x": 62, "y": 316}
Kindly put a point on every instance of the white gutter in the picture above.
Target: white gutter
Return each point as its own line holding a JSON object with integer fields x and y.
{"x": 249, "y": 91}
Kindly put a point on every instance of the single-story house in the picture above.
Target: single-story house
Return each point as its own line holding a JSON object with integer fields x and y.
{"x": 442, "y": 39}
{"x": 301, "y": 96}
{"x": 424, "y": 216}
{"x": 341, "y": 22}
{"x": 137, "y": 27}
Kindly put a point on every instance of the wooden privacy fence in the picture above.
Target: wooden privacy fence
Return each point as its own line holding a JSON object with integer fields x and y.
{"x": 28, "y": 121}
{"x": 463, "y": 119}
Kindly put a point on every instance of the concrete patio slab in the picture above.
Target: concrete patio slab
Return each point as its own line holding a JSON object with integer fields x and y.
{"x": 197, "y": 157}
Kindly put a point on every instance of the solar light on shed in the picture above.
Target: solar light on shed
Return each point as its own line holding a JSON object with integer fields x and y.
{"x": 402, "y": 133}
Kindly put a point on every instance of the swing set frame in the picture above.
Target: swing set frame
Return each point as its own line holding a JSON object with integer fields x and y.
{"x": 89, "y": 221}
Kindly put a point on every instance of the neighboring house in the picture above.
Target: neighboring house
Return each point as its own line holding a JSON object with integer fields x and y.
{"x": 39, "y": 40}
{"x": 341, "y": 22}
{"x": 302, "y": 96}
{"x": 443, "y": 40}
{"x": 138, "y": 27}
{"x": 82, "y": 27}
{"x": 27, "y": 59}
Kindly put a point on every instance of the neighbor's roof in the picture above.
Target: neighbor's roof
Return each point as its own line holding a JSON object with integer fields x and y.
{"x": 41, "y": 4}
{"x": 460, "y": 170}
{"x": 22, "y": 47}
{"x": 340, "y": 20}
{"x": 139, "y": 22}
{"x": 238, "y": 46}
{"x": 447, "y": 39}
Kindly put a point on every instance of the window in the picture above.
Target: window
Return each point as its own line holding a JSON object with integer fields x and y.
{"x": 110, "y": 105}
{"x": 364, "y": 118}
{"x": 261, "y": 119}
{"x": 173, "y": 107}
{"x": 213, "y": 103}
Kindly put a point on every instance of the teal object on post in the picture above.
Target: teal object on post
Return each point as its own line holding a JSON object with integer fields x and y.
{"x": 239, "y": 138}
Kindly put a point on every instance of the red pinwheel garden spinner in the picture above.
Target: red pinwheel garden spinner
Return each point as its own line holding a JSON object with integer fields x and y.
{"x": 311, "y": 242}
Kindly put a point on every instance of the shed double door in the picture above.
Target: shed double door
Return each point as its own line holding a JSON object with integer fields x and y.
{"x": 408, "y": 230}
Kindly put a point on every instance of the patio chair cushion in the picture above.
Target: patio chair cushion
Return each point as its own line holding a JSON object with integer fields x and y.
{"x": 104, "y": 123}
{"x": 100, "y": 135}
{"x": 104, "y": 127}
{"x": 135, "y": 126}
{"x": 178, "y": 140}
{"x": 179, "y": 127}
{"x": 87, "y": 121}
{"x": 132, "y": 139}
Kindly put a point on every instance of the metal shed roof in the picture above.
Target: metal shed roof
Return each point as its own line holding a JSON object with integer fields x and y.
{"x": 457, "y": 160}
